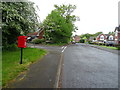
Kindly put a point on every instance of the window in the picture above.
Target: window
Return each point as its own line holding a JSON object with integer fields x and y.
{"x": 101, "y": 37}
{"x": 110, "y": 37}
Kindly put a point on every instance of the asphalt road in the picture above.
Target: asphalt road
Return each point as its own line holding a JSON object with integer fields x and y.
{"x": 89, "y": 67}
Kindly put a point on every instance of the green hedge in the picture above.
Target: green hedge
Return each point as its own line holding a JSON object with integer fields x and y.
{"x": 11, "y": 47}
{"x": 82, "y": 41}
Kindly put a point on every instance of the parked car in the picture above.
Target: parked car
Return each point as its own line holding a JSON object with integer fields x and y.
{"x": 109, "y": 43}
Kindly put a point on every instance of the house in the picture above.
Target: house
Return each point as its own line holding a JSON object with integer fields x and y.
{"x": 39, "y": 34}
{"x": 117, "y": 35}
{"x": 91, "y": 38}
{"x": 76, "y": 38}
{"x": 101, "y": 37}
{"x": 105, "y": 37}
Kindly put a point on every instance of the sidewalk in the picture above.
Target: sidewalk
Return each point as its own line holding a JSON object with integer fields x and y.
{"x": 41, "y": 74}
{"x": 106, "y": 49}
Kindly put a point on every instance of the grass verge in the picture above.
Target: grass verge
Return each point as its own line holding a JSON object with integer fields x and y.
{"x": 10, "y": 62}
{"x": 114, "y": 48}
{"x": 110, "y": 47}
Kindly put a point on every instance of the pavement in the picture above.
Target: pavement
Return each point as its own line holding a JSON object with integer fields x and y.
{"x": 44, "y": 73}
{"x": 103, "y": 48}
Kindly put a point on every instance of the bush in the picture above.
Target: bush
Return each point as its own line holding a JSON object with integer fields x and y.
{"x": 38, "y": 41}
{"x": 11, "y": 47}
{"x": 82, "y": 41}
{"x": 118, "y": 47}
{"x": 97, "y": 43}
{"x": 90, "y": 42}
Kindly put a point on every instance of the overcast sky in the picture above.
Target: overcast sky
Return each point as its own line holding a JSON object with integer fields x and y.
{"x": 95, "y": 15}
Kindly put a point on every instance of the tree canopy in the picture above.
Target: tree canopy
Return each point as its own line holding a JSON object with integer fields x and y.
{"x": 59, "y": 24}
{"x": 18, "y": 18}
{"x": 87, "y": 35}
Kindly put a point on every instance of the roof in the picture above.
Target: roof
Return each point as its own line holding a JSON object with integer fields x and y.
{"x": 105, "y": 35}
{"x": 117, "y": 28}
{"x": 35, "y": 33}
{"x": 100, "y": 34}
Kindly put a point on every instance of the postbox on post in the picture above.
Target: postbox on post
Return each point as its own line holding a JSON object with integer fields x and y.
{"x": 22, "y": 44}
{"x": 22, "y": 41}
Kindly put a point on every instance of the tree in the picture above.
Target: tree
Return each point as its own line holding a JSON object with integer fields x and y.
{"x": 111, "y": 33}
{"x": 66, "y": 11}
{"x": 59, "y": 24}
{"x": 96, "y": 34}
{"x": 18, "y": 18}
{"x": 87, "y": 35}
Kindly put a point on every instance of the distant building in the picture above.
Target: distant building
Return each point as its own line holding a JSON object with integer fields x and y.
{"x": 38, "y": 34}
{"x": 117, "y": 35}
{"x": 105, "y": 37}
{"x": 91, "y": 38}
{"x": 76, "y": 38}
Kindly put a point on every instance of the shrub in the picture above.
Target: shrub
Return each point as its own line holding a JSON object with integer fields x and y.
{"x": 11, "y": 47}
{"x": 82, "y": 41}
{"x": 38, "y": 41}
{"x": 118, "y": 47}
{"x": 97, "y": 43}
{"x": 90, "y": 42}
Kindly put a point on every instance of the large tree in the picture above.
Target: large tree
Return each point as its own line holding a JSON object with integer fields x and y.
{"x": 59, "y": 24}
{"x": 18, "y": 18}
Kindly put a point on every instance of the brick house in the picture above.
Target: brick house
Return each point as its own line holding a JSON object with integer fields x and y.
{"x": 117, "y": 35}
{"x": 105, "y": 37}
{"x": 76, "y": 38}
{"x": 39, "y": 34}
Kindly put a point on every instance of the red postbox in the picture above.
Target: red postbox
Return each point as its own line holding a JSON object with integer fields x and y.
{"x": 22, "y": 41}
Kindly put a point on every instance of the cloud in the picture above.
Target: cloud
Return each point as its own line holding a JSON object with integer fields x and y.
{"x": 95, "y": 15}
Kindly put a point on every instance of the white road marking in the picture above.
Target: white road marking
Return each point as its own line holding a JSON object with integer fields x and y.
{"x": 64, "y": 48}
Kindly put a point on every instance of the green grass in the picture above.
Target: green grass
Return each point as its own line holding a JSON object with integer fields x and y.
{"x": 10, "y": 62}
{"x": 110, "y": 47}
{"x": 0, "y": 67}
{"x": 114, "y": 48}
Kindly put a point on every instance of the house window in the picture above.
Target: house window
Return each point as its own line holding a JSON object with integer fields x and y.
{"x": 102, "y": 37}
{"x": 110, "y": 37}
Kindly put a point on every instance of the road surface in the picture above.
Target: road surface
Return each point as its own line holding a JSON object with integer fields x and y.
{"x": 75, "y": 66}
{"x": 89, "y": 67}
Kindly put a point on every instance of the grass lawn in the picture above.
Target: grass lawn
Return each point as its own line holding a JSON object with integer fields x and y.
{"x": 0, "y": 67}
{"x": 114, "y": 48}
{"x": 10, "y": 62}
{"x": 110, "y": 47}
